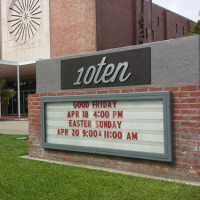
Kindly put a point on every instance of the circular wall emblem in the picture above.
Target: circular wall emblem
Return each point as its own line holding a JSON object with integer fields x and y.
{"x": 24, "y": 17}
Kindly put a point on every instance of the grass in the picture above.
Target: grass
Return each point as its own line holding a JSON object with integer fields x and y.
{"x": 22, "y": 179}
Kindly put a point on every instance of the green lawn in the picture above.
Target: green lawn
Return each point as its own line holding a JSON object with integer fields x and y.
{"x": 27, "y": 179}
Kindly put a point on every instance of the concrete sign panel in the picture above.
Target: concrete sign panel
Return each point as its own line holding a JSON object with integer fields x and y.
{"x": 129, "y": 125}
{"x": 131, "y": 67}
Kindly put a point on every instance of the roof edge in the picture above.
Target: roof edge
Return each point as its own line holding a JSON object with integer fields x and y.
{"x": 12, "y": 63}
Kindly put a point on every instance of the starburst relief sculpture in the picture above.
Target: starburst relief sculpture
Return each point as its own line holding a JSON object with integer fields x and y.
{"x": 24, "y": 18}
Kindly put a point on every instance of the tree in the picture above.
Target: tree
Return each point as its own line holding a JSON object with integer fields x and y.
{"x": 5, "y": 94}
{"x": 196, "y": 29}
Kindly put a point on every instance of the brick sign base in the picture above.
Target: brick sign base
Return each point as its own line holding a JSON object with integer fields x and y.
{"x": 186, "y": 137}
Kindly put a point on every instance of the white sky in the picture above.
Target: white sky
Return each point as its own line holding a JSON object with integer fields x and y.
{"x": 186, "y": 8}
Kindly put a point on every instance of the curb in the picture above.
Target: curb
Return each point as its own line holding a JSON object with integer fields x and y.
{"x": 114, "y": 171}
{"x": 13, "y": 119}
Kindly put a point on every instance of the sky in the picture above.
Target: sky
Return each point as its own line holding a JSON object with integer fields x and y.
{"x": 187, "y": 8}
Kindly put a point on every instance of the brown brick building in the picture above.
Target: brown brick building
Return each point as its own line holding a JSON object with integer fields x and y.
{"x": 106, "y": 24}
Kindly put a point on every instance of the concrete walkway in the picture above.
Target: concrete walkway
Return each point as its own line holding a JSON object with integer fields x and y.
{"x": 14, "y": 127}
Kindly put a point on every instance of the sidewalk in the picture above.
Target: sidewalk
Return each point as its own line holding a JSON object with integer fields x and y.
{"x": 13, "y": 118}
{"x": 14, "y": 127}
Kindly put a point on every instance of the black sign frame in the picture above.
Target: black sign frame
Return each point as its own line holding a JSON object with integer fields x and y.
{"x": 123, "y": 68}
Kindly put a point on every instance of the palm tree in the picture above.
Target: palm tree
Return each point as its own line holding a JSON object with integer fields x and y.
{"x": 5, "y": 94}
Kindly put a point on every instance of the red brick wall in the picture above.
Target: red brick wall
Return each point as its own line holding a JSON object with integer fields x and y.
{"x": 159, "y": 30}
{"x": 167, "y": 23}
{"x": 81, "y": 26}
{"x": 115, "y": 23}
{"x": 172, "y": 20}
{"x": 73, "y": 27}
{"x": 186, "y": 135}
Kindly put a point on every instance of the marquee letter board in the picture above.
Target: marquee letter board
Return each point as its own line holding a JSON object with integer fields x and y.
{"x": 129, "y": 125}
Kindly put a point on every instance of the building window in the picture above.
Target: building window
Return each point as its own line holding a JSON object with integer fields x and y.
{"x": 176, "y": 28}
{"x": 183, "y": 30}
{"x": 158, "y": 21}
{"x": 146, "y": 33}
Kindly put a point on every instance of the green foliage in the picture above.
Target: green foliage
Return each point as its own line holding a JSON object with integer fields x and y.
{"x": 196, "y": 29}
{"x": 2, "y": 82}
{"x": 5, "y": 94}
{"x": 22, "y": 179}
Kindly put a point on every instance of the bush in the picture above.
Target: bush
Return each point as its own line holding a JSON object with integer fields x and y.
{"x": 196, "y": 29}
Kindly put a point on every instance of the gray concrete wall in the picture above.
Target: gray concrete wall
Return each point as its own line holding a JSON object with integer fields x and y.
{"x": 173, "y": 63}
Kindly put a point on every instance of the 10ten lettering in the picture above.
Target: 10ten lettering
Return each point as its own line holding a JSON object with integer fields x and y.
{"x": 109, "y": 75}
